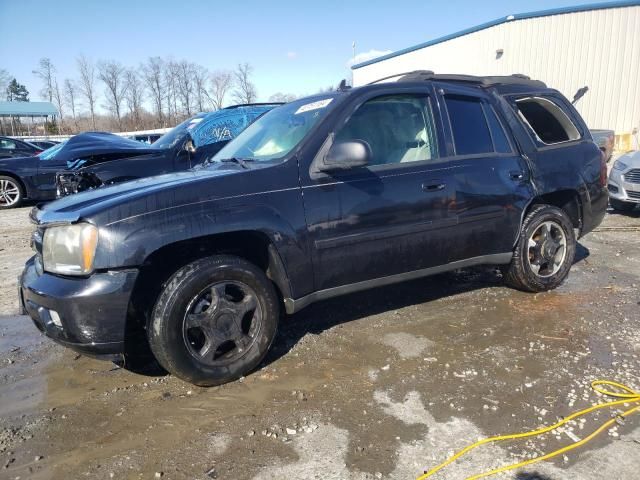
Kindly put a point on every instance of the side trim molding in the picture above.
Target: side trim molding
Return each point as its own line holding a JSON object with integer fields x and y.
{"x": 295, "y": 305}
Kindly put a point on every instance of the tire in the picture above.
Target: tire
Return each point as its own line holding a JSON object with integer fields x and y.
{"x": 214, "y": 321}
{"x": 11, "y": 193}
{"x": 553, "y": 268}
{"x": 621, "y": 206}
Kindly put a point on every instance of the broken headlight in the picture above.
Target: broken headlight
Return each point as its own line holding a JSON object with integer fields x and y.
{"x": 70, "y": 249}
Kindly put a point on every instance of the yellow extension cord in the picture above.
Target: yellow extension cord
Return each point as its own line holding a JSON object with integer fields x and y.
{"x": 626, "y": 395}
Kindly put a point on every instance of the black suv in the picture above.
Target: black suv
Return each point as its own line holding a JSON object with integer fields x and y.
{"x": 320, "y": 197}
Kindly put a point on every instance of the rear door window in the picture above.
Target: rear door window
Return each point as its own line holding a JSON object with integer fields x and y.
{"x": 471, "y": 135}
{"x": 500, "y": 141}
{"x": 548, "y": 123}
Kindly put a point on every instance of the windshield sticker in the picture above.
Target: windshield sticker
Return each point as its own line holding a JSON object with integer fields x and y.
{"x": 193, "y": 123}
{"x": 314, "y": 106}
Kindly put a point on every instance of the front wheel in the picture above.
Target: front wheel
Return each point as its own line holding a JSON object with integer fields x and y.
{"x": 544, "y": 252}
{"x": 214, "y": 320}
{"x": 11, "y": 194}
{"x": 621, "y": 206}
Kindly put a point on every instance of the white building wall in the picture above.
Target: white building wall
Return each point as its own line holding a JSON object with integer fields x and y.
{"x": 598, "y": 48}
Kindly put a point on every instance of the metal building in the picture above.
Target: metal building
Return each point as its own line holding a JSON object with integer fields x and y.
{"x": 595, "y": 45}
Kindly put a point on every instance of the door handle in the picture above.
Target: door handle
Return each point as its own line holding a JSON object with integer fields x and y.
{"x": 433, "y": 187}
{"x": 516, "y": 175}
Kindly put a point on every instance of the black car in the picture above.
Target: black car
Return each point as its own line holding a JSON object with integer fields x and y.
{"x": 93, "y": 159}
{"x": 43, "y": 144}
{"x": 320, "y": 197}
{"x": 11, "y": 147}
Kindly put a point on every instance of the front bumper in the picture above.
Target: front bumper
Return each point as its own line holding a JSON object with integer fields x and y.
{"x": 620, "y": 189}
{"x": 85, "y": 314}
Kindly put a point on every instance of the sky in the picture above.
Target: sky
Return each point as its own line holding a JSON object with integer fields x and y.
{"x": 295, "y": 47}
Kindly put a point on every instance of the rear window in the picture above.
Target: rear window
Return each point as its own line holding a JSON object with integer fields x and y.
{"x": 546, "y": 120}
{"x": 469, "y": 125}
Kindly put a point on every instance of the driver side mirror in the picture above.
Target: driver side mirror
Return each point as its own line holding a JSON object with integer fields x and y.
{"x": 345, "y": 156}
{"x": 189, "y": 146}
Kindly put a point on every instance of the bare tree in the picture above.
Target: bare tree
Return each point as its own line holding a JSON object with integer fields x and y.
{"x": 88, "y": 85}
{"x": 245, "y": 91}
{"x": 171, "y": 72}
{"x": 112, "y": 74}
{"x": 282, "y": 97}
{"x": 58, "y": 100}
{"x": 153, "y": 77}
{"x": 134, "y": 96}
{"x": 5, "y": 78}
{"x": 221, "y": 82}
{"x": 200, "y": 75}
{"x": 46, "y": 73}
{"x": 186, "y": 86}
{"x": 70, "y": 99}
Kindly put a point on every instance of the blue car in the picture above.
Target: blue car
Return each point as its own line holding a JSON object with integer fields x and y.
{"x": 93, "y": 159}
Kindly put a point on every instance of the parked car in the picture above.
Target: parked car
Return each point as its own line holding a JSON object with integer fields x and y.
{"x": 148, "y": 138}
{"x": 92, "y": 159}
{"x": 10, "y": 147}
{"x": 605, "y": 139}
{"x": 624, "y": 182}
{"x": 187, "y": 145}
{"x": 320, "y": 197}
{"x": 43, "y": 144}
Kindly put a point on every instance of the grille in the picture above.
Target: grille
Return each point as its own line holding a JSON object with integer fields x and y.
{"x": 634, "y": 195}
{"x": 632, "y": 176}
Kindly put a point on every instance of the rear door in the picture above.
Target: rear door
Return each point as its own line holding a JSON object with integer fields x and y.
{"x": 492, "y": 181}
{"x": 393, "y": 216}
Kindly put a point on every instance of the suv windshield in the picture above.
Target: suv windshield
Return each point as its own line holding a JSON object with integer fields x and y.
{"x": 279, "y": 131}
{"x": 172, "y": 137}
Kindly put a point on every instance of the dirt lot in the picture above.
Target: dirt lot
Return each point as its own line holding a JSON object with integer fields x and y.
{"x": 381, "y": 384}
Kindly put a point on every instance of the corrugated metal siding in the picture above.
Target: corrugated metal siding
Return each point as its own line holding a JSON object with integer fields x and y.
{"x": 599, "y": 48}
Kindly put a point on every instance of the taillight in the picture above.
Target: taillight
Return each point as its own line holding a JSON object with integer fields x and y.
{"x": 603, "y": 169}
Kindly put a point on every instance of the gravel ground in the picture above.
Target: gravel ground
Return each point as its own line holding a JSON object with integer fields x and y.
{"x": 379, "y": 384}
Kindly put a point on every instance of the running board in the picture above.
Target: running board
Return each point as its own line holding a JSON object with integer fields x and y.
{"x": 293, "y": 306}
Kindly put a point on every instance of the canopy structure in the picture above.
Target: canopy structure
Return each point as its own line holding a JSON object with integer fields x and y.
{"x": 14, "y": 111}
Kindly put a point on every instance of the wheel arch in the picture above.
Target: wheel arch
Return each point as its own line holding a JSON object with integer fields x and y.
{"x": 17, "y": 178}
{"x": 568, "y": 200}
{"x": 252, "y": 245}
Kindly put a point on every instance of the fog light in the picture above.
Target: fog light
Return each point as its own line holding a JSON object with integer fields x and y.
{"x": 612, "y": 188}
{"x": 55, "y": 318}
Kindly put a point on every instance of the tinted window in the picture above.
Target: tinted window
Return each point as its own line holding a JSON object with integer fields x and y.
{"x": 7, "y": 144}
{"x": 546, "y": 120}
{"x": 469, "y": 125}
{"x": 500, "y": 141}
{"x": 398, "y": 128}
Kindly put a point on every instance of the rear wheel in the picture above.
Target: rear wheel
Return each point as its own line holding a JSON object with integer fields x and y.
{"x": 214, "y": 321}
{"x": 545, "y": 250}
{"x": 621, "y": 206}
{"x": 11, "y": 194}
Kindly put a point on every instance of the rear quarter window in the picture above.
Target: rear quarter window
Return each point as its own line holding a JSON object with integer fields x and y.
{"x": 546, "y": 120}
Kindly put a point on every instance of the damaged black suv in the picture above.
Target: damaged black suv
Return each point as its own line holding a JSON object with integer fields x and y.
{"x": 320, "y": 197}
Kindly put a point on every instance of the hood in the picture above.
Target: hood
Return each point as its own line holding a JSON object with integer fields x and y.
{"x": 134, "y": 197}
{"x": 631, "y": 159}
{"x": 94, "y": 147}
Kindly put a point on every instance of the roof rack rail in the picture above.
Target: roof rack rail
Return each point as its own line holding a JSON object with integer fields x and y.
{"x": 484, "y": 81}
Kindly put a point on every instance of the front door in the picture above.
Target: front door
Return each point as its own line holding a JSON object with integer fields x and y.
{"x": 392, "y": 216}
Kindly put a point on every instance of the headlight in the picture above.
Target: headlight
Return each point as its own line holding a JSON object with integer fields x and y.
{"x": 618, "y": 165}
{"x": 70, "y": 249}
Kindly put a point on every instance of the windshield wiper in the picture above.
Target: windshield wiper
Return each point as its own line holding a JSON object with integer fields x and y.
{"x": 243, "y": 162}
